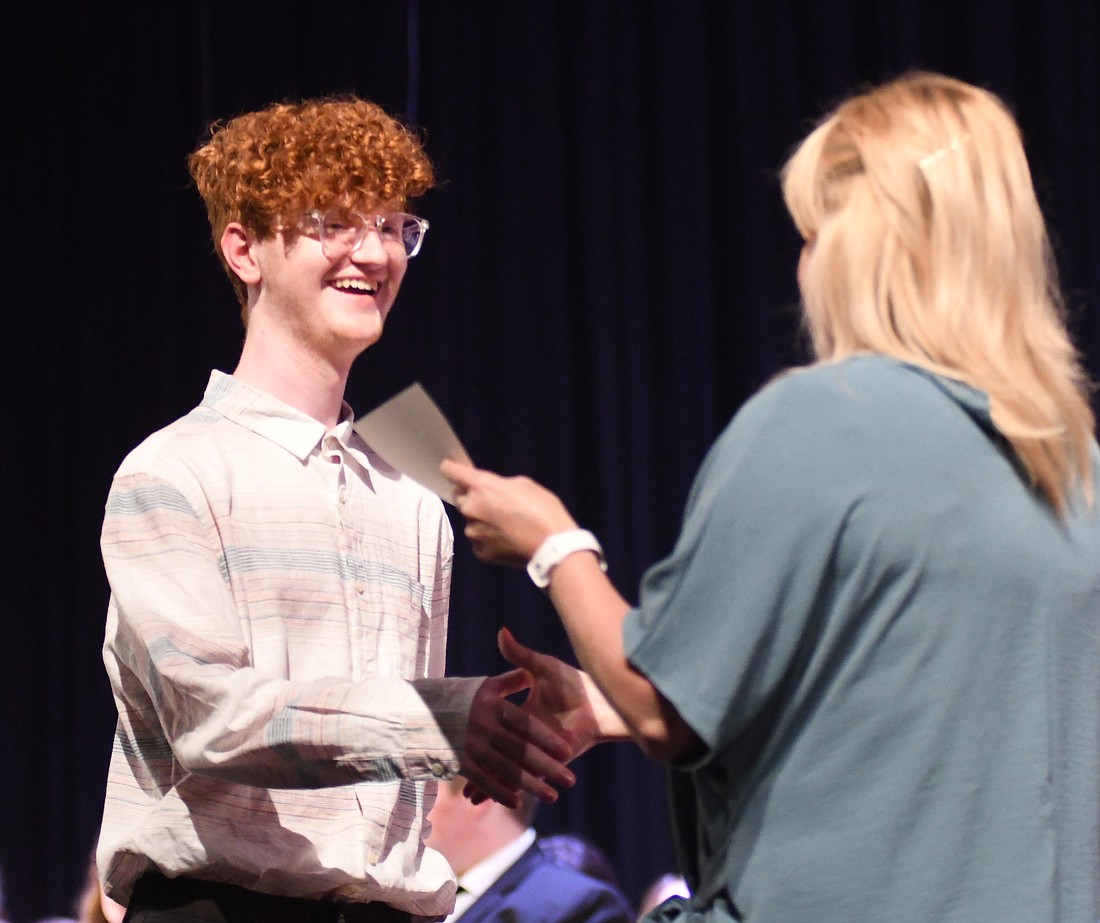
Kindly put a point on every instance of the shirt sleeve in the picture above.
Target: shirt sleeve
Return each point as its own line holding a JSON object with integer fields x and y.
{"x": 180, "y": 665}
{"x": 443, "y": 554}
{"x": 723, "y": 621}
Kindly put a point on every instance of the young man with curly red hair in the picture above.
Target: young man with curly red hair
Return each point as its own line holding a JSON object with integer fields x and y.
{"x": 279, "y": 594}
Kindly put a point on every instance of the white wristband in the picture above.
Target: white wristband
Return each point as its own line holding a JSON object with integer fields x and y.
{"x": 556, "y": 549}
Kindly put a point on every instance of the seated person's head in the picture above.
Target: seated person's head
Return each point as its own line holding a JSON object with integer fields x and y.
{"x": 93, "y": 906}
{"x": 660, "y": 890}
{"x": 466, "y": 833}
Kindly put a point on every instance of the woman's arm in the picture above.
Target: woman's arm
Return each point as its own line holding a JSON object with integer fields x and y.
{"x": 507, "y": 520}
{"x": 592, "y": 611}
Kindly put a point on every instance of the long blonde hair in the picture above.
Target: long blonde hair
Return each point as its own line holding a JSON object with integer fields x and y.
{"x": 925, "y": 242}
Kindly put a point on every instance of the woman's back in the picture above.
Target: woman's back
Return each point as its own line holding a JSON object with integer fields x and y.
{"x": 891, "y": 669}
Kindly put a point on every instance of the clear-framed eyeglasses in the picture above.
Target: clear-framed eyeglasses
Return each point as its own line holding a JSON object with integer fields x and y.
{"x": 342, "y": 231}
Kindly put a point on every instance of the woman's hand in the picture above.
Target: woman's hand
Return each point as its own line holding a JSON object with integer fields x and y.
{"x": 506, "y": 518}
{"x": 563, "y": 696}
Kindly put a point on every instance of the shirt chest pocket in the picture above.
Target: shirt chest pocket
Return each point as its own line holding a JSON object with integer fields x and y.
{"x": 392, "y": 620}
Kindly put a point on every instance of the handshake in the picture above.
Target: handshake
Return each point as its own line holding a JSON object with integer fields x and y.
{"x": 511, "y": 748}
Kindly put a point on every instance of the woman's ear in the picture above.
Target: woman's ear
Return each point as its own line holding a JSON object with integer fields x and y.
{"x": 236, "y": 244}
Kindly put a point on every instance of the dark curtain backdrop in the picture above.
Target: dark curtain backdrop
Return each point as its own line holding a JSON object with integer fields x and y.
{"x": 608, "y": 276}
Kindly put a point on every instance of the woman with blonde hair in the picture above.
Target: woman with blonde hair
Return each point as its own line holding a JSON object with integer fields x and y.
{"x": 924, "y": 242}
{"x": 872, "y": 659}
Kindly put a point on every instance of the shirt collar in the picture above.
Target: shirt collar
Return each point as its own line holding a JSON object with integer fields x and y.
{"x": 973, "y": 401}
{"x": 267, "y": 416}
{"x": 481, "y": 877}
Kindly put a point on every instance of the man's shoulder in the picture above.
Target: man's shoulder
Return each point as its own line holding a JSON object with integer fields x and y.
{"x": 193, "y": 435}
{"x": 547, "y": 881}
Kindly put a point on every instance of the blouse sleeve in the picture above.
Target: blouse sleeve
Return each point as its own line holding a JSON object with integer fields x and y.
{"x": 723, "y": 621}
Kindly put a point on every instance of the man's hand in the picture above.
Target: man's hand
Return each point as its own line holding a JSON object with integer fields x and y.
{"x": 511, "y": 749}
{"x": 562, "y": 696}
{"x": 506, "y": 518}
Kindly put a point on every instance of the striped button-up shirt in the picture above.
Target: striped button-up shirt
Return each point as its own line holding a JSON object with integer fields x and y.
{"x": 275, "y": 643}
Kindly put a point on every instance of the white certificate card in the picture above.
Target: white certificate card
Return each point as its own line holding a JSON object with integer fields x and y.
{"x": 410, "y": 432}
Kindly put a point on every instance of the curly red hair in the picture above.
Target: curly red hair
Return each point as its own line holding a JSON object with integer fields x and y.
{"x": 264, "y": 168}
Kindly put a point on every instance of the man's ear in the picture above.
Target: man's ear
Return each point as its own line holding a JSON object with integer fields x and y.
{"x": 236, "y": 244}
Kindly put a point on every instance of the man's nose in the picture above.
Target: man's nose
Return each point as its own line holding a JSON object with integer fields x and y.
{"x": 371, "y": 249}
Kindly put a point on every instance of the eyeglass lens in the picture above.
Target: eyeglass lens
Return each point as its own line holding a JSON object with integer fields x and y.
{"x": 342, "y": 231}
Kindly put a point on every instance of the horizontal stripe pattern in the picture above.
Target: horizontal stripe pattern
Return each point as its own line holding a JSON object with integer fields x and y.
{"x": 275, "y": 641}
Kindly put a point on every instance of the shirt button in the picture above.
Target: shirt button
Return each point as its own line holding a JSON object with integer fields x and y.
{"x": 360, "y": 587}
{"x": 343, "y": 494}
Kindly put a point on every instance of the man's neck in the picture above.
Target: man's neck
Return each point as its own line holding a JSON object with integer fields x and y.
{"x": 304, "y": 380}
{"x": 494, "y": 863}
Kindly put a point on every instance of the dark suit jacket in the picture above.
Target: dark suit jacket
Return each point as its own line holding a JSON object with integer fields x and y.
{"x": 535, "y": 889}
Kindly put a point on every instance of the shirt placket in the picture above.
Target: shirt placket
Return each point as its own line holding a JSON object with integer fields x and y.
{"x": 353, "y": 580}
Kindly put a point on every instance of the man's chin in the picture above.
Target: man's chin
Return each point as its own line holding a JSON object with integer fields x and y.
{"x": 365, "y": 330}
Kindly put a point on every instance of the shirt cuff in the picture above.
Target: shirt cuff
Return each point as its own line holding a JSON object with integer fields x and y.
{"x": 448, "y": 702}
